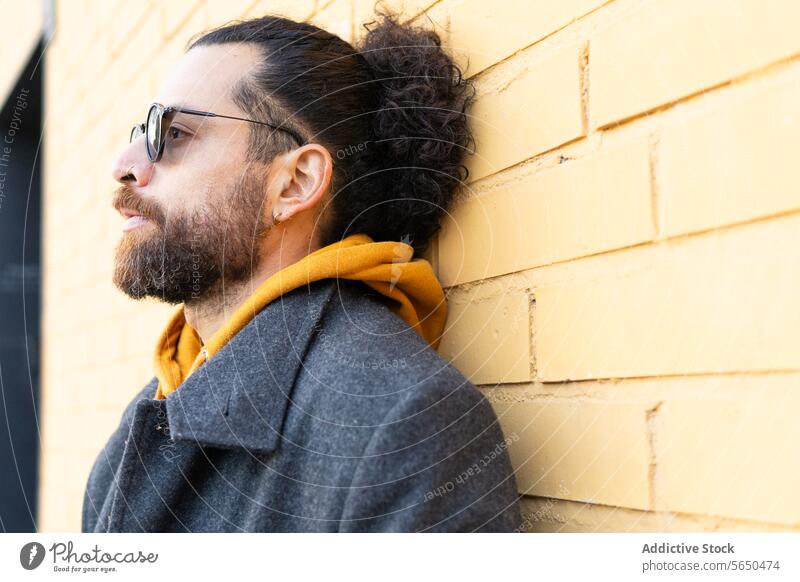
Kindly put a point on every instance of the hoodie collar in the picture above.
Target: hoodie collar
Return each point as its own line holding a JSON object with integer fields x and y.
{"x": 415, "y": 295}
{"x": 239, "y": 398}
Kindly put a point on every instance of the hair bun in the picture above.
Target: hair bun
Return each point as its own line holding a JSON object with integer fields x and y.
{"x": 420, "y": 128}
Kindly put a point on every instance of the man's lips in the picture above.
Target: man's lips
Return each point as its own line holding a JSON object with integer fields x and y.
{"x": 133, "y": 219}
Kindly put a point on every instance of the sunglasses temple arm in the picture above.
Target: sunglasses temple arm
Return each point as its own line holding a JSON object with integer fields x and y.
{"x": 209, "y": 114}
{"x": 273, "y": 126}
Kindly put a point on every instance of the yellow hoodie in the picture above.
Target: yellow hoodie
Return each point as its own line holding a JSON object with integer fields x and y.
{"x": 385, "y": 266}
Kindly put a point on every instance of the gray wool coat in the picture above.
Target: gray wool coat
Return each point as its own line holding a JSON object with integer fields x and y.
{"x": 325, "y": 413}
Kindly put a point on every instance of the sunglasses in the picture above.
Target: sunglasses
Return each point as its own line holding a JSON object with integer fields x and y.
{"x": 159, "y": 118}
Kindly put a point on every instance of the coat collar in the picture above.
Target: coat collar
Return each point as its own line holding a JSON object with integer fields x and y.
{"x": 239, "y": 398}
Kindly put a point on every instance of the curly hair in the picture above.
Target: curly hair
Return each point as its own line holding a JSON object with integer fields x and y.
{"x": 392, "y": 112}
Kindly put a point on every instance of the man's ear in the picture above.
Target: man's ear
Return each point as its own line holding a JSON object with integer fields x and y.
{"x": 305, "y": 176}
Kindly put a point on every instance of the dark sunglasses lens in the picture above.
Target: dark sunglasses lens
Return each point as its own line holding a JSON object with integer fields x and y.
{"x": 153, "y": 132}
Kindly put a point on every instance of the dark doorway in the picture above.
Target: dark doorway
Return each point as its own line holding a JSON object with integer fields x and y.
{"x": 20, "y": 290}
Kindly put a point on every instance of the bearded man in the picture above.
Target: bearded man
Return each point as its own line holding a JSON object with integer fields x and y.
{"x": 279, "y": 193}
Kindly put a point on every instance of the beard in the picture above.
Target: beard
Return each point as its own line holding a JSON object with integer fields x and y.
{"x": 181, "y": 256}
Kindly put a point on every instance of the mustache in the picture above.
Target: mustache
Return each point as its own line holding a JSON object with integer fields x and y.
{"x": 125, "y": 197}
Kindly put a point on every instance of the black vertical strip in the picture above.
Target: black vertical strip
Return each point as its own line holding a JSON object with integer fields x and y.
{"x": 20, "y": 297}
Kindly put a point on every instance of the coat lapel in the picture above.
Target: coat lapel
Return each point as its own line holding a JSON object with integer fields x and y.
{"x": 239, "y": 398}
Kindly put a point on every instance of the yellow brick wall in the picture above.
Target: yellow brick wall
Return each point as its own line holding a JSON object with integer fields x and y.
{"x": 622, "y": 273}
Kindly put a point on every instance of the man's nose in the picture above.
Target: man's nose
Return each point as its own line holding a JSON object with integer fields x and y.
{"x": 133, "y": 165}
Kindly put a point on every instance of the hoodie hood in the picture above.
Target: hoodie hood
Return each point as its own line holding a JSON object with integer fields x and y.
{"x": 387, "y": 267}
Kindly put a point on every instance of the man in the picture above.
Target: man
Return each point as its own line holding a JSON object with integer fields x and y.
{"x": 277, "y": 192}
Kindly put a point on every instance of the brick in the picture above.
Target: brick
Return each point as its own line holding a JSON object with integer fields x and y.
{"x": 175, "y": 14}
{"x": 91, "y": 68}
{"x": 223, "y": 11}
{"x": 733, "y": 165}
{"x": 128, "y": 108}
{"x": 69, "y": 17}
{"x": 483, "y": 33}
{"x": 591, "y": 451}
{"x": 581, "y": 207}
{"x": 547, "y": 112}
{"x": 299, "y": 10}
{"x": 336, "y": 18}
{"x": 138, "y": 51}
{"x": 733, "y": 452}
{"x": 437, "y": 19}
{"x": 489, "y": 342}
{"x": 541, "y": 515}
{"x": 364, "y": 11}
{"x": 722, "y": 302}
{"x": 170, "y": 52}
{"x": 128, "y": 22}
{"x": 673, "y": 48}
{"x": 409, "y": 8}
